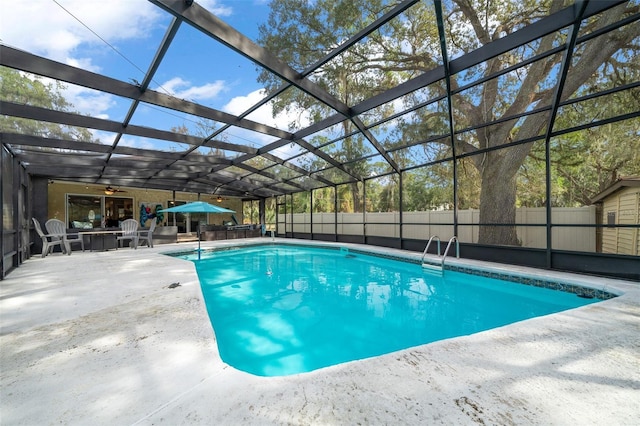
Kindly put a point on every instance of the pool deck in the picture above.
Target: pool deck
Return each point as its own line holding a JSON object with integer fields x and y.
{"x": 101, "y": 339}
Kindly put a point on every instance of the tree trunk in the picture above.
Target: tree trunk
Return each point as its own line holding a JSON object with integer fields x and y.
{"x": 498, "y": 203}
{"x": 355, "y": 194}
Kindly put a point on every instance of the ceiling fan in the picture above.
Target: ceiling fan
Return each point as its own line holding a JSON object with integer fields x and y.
{"x": 109, "y": 190}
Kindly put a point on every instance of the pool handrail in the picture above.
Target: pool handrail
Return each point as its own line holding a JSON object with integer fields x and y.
{"x": 424, "y": 253}
{"x": 454, "y": 238}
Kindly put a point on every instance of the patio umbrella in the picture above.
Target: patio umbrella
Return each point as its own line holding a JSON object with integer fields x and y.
{"x": 197, "y": 207}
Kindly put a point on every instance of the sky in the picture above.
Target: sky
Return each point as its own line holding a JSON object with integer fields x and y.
{"x": 119, "y": 38}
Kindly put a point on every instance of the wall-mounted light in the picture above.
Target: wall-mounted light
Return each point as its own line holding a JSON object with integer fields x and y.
{"x": 109, "y": 191}
{"x": 219, "y": 199}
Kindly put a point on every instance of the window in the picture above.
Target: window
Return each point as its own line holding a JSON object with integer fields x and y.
{"x": 250, "y": 212}
{"x": 90, "y": 211}
{"x": 84, "y": 211}
{"x": 117, "y": 210}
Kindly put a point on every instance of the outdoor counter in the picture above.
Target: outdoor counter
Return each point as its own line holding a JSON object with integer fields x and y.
{"x": 217, "y": 232}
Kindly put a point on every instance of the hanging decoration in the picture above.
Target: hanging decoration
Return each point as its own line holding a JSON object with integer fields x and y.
{"x": 147, "y": 213}
{"x": 158, "y": 214}
{"x": 143, "y": 214}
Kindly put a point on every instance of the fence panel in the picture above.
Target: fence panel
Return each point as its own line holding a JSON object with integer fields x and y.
{"x": 423, "y": 225}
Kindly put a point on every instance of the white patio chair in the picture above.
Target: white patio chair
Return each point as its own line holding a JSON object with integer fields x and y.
{"x": 147, "y": 234}
{"x": 48, "y": 241}
{"x": 71, "y": 238}
{"x": 75, "y": 238}
{"x": 58, "y": 228}
{"x": 129, "y": 232}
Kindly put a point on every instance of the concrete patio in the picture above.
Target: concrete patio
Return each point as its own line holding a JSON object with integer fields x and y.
{"x": 100, "y": 338}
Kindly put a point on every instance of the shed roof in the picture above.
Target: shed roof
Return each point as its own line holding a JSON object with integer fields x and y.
{"x": 621, "y": 183}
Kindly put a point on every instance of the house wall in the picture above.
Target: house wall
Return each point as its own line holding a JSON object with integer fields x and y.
{"x": 626, "y": 206}
{"x": 57, "y": 191}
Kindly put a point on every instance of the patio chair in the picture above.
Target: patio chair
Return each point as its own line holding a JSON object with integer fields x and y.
{"x": 129, "y": 232}
{"x": 147, "y": 234}
{"x": 75, "y": 238}
{"x": 58, "y": 228}
{"x": 48, "y": 241}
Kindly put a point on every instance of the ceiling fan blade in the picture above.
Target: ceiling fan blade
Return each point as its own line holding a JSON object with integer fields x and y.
{"x": 109, "y": 190}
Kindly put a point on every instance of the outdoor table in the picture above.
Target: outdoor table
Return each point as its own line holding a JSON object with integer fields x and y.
{"x": 101, "y": 239}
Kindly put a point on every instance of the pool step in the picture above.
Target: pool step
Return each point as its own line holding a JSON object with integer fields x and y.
{"x": 428, "y": 267}
{"x": 439, "y": 268}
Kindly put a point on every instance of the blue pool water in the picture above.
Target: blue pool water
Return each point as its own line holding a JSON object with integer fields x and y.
{"x": 281, "y": 309}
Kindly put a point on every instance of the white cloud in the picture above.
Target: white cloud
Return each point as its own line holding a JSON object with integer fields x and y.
{"x": 264, "y": 115}
{"x": 240, "y": 104}
{"x": 89, "y": 101}
{"x": 136, "y": 142}
{"x": 181, "y": 89}
{"x": 216, "y": 8}
{"x": 46, "y": 28}
{"x": 106, "y": 138}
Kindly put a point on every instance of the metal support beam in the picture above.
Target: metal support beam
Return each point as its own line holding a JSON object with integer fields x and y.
{"x": 19, "y": 60}
{"x": 447, "y": 74}
{"x": 71, "y": 119}
{"x": 579, "y": 9}
{"x": 209, "y": 24}
{"x": 372, "y": 139}
{"x": 397, "y": 10}
{"x": 155, "y": 63}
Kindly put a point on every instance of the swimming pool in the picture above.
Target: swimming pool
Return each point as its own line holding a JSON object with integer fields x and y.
{"x": 286, "y": 309}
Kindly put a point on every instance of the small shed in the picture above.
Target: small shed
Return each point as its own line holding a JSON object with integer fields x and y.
{"x": 619, "y": 204}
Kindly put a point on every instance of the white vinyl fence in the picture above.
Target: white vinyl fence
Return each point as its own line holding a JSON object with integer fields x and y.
{"x": 422, "y": 225}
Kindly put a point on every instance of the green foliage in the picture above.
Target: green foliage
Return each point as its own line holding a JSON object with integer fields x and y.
{"x": 583, "y": 163}
{"x": 350, "y": 197}
{"x": 424, "y": 191}
{"x": 202, "y": 127}
{"x": 323, "y": 200}
{"x": 22, "y": 88}
{"x": 301, "y": 202}
{"x": 586, "y": 162}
